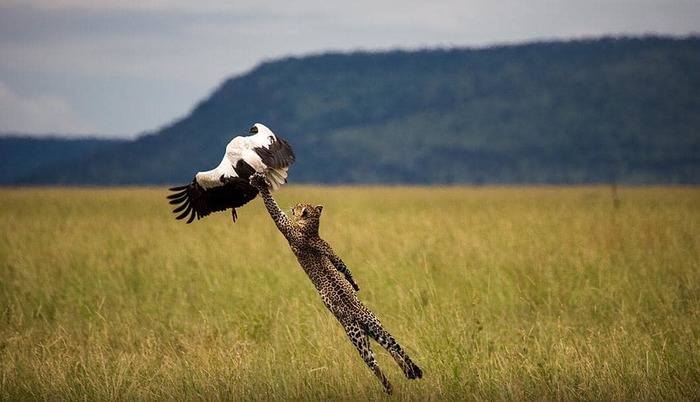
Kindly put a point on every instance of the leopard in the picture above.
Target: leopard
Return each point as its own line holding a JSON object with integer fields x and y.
{"x": 334, "y": 283}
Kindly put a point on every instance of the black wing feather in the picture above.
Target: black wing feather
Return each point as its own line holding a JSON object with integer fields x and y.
{"x": 194, "y": 201}
{"x": 243, "y": 169}
{"x": 278, "y": 154}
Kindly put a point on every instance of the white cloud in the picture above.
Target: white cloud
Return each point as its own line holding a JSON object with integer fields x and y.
{"x": 44, "y": 114}
{"x": 181, "y": 6}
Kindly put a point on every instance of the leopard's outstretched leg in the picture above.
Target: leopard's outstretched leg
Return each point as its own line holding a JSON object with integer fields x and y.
{"x": 384, "y": 338}
{"x": 359, "y": 338}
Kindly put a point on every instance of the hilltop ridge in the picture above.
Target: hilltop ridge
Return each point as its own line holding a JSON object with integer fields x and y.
{"x": 590, "y": 111}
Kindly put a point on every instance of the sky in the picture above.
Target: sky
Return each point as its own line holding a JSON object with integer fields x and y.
{"x": 122, "y": 68}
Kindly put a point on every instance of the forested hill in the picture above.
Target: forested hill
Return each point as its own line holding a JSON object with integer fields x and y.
{"x": 594, "y": 111}
{"x": 20, "y": 155}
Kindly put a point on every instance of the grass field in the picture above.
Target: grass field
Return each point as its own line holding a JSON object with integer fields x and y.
{"x": 497, "y": 293}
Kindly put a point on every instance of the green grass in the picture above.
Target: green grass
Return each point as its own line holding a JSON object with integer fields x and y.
{"x": 497, "y": 293}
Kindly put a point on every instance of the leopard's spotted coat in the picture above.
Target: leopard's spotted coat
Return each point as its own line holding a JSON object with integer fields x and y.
{"x": 334, "y": 283}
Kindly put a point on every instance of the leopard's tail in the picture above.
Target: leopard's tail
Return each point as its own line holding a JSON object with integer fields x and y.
{"x": 410, "y": 369}
{"x": 384, "y": 338}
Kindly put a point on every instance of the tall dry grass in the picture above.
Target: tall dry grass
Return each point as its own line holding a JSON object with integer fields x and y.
{"x": 497, "y": 293}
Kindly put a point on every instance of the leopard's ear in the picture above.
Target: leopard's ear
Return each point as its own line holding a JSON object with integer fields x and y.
{"x": 319, "y": 208}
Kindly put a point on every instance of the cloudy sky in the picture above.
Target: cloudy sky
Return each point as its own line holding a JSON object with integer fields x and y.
{"x": 122, "y": 67}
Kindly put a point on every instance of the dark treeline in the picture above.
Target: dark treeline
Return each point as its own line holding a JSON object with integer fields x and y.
{"x": 20, "y": 155}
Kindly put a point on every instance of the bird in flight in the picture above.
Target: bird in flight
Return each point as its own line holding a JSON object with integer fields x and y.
{"x": 227, "y": 185}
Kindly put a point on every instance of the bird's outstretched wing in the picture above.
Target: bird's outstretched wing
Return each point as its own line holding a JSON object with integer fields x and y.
{"x": 278, "y": 154}
{"x": 194, "y": 201}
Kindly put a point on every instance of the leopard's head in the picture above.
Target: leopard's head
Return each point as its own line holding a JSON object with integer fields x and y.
{"x": 307, "y": 217}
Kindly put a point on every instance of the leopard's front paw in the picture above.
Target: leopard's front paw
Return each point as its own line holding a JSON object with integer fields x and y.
{"x": 259, "y": 181}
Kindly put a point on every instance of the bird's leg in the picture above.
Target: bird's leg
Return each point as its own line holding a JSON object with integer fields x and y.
{"x": 234, "y": 215}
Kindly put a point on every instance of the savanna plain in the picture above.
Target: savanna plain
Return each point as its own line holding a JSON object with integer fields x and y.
{"x": 498, "y": 293}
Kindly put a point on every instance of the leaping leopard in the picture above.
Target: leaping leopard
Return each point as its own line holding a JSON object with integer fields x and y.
{"x": 334, "y": 283}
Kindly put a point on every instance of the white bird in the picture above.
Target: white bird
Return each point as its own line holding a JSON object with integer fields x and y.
{"x": 227, "y": 185}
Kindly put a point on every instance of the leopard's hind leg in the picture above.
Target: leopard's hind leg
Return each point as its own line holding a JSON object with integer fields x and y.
{"x": 359, "y": 338}
{"x": 384, "y": 338}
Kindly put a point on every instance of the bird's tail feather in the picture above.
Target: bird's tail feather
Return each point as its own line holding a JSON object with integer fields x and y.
{"x": 277, "y": 177}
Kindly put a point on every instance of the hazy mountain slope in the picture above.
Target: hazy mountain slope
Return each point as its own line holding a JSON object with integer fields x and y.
{"x": 568, "y": 112}
{"x": 22, "y": 156}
